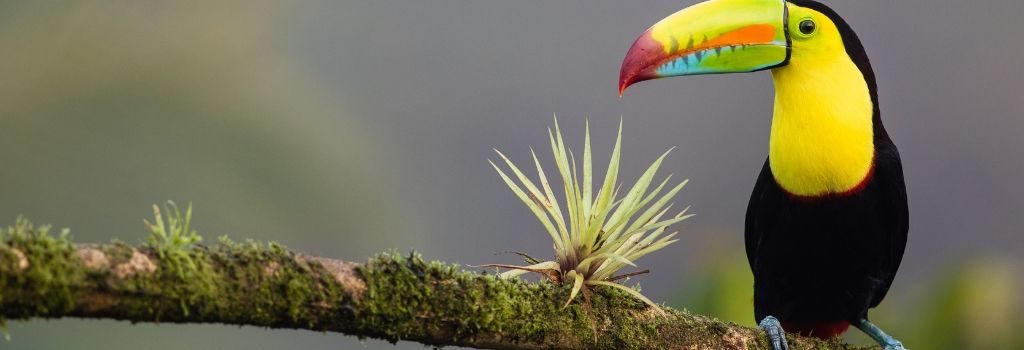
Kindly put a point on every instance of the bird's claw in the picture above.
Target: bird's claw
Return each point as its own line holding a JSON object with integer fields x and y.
{"x": 886, "y": 341}
{"x": 776, "y": 335}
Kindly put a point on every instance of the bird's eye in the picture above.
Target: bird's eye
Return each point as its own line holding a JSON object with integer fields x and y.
{"x": 807, "y": 27}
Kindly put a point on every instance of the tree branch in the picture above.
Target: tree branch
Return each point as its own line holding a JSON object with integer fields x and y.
{"x": 390, "y": 297}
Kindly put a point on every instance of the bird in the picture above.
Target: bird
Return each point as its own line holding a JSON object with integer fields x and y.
{"x": 827, "y": 222}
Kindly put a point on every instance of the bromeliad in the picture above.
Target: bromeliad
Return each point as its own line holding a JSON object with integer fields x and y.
{"x": 600, "y": 233}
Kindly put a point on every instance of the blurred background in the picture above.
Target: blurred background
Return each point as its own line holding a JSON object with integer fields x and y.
{"x": 347, "y": 128}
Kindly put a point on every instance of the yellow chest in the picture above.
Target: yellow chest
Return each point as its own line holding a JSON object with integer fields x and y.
{"x": 822, "y": 138}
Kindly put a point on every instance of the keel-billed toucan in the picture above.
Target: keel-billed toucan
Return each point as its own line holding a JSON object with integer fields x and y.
{"x": 827, "y": 222}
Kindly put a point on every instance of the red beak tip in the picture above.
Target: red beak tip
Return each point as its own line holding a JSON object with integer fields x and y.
{"x": 636, "y": 66}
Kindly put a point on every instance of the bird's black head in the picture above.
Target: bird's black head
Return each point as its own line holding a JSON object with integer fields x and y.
{"x": 851, "y": 43}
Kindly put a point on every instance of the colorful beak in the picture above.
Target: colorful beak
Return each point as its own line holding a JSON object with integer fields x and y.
{"x": 712, "y": 37}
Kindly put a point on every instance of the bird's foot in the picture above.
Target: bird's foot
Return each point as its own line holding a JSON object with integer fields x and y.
{"x": 776, "y": 335}
{"x": 886, "y": 341}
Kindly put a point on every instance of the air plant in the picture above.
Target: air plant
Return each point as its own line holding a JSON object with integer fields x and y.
{"x": 595, "y": 234}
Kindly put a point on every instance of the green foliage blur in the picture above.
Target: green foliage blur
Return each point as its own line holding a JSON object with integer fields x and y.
{"x": 109, "y": 107}
{"x": 974, "y": 304}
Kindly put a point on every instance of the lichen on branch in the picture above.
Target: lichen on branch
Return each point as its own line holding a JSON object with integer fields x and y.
{"x": 391, "y": 296}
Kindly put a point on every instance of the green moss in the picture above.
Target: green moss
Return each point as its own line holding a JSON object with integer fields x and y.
{"x": 274, "y": 284}
{"x": 53, "y": 282}
{"x": 117, "y": 252}
{"x": 406, "y": 295}
{"x": 239, "y": 283}
{"x": 266, "y": 285}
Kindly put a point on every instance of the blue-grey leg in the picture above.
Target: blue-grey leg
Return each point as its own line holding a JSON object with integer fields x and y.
{"x": 885, "y": 340}
{"x": 773, "y": 328}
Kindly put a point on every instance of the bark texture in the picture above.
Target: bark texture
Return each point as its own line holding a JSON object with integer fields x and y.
{"x": 390, "y": 297}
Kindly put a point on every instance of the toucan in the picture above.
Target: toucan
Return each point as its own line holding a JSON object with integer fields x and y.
{"x": 827, "y": 223}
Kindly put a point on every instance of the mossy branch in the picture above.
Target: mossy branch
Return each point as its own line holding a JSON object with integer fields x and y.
{"x": 389, "y": 297}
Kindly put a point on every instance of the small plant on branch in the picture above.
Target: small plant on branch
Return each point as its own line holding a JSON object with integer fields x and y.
{"x": 595, "y": 234}
{"x": 171, "y": 238}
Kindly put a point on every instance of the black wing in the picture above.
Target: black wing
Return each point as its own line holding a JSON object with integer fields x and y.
{"x": 894, "y": 212}
{"x": 754, "y": 228}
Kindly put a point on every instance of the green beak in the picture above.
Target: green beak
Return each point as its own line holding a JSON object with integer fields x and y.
{"x": 712, "y": 37}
